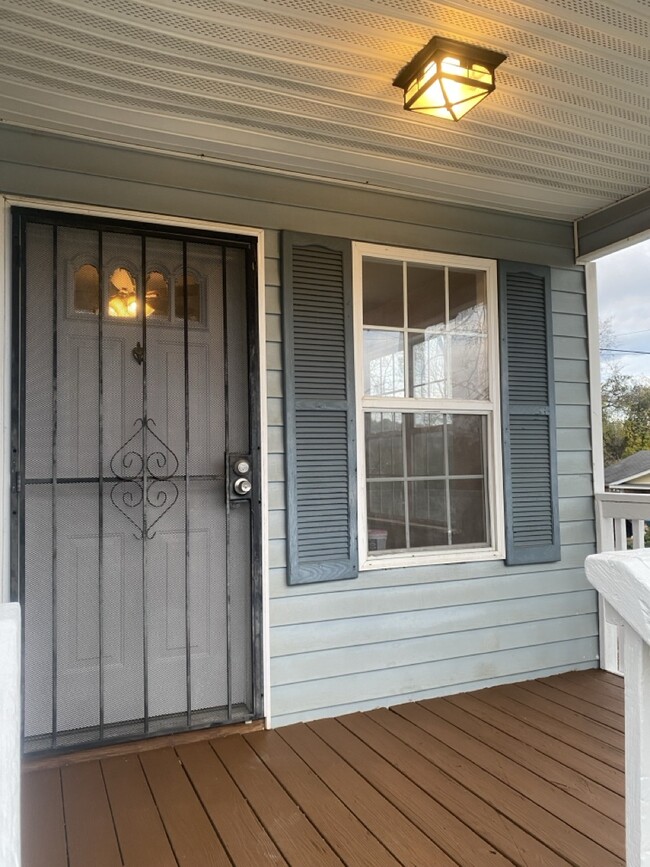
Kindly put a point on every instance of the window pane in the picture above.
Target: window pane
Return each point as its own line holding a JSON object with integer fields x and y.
{"x": 122, "y": 295}
{"x": 466, "y": 437}
{"x": 425, "y": 444}
{"x": 386, "y": 526}
{"x": 157, "y": 294}
{"x": 468, "y": 507}
{"x": 86, "y": 289}
{"x": 193, "y": 292}
{"x": 467, "y": 301}
{"x": 428, "y": 365}
{"x": 427, "y": 514}
{"x": 425, "y": 296}
{"x": 384, "y": 445}
{"x": 383, "y": 356}
{"x": 383, "y": 295}
{"x": 469, "y": 373}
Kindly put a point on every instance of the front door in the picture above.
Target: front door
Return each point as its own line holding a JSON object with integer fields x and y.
{"x": 136, "y": 483}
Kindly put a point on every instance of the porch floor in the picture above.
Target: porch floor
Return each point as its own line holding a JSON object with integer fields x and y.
{"x": 527, "y": 774}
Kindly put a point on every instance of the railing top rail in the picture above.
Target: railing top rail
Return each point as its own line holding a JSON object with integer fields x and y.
{"x": 610, "y": 497}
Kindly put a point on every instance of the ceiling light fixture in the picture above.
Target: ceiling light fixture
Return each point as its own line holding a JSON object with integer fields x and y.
{"x": 448, "y": 78}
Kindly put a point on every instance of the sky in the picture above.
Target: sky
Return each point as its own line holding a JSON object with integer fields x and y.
{"x": 624, "y": 296}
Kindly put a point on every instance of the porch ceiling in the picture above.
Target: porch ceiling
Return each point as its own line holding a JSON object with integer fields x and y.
{"x": 306, "y": 86}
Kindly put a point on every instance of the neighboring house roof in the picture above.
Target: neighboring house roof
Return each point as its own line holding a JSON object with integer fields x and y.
{"x": 629, "y": 468}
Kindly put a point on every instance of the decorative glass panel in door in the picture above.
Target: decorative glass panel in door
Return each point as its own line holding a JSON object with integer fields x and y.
{"x": 135, "y": 544}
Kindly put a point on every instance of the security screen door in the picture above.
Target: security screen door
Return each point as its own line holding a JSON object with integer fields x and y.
{"x": 136, "y": 489}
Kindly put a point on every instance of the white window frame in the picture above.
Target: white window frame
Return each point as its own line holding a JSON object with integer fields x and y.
{"x": 491, "y": 407}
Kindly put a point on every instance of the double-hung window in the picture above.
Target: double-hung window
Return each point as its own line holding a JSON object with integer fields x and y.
{"x": 430, "y": 485}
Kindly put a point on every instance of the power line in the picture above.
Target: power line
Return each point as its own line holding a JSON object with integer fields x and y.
{"x": 625, "y": 351}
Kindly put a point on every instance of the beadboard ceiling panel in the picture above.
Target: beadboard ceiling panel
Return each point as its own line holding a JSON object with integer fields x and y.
{"x": 305, "y": 86}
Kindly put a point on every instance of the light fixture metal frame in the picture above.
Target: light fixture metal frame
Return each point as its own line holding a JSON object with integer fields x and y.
{"x": 435, "y": 51}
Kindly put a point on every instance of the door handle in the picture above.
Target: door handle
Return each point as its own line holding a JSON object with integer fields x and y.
{"x": 240, "y": 476}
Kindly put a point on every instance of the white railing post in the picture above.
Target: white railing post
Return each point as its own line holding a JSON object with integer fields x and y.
{"x": 613, "y": 511}
{"x": 623, "y": 579}
{"x": 10, "y": 735}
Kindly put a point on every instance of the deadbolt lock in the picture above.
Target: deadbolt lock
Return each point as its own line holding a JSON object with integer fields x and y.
{"x": 242, "y": 467}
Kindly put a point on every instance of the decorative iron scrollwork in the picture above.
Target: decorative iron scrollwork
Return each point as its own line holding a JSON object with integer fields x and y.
{"x": 130, "y": 467}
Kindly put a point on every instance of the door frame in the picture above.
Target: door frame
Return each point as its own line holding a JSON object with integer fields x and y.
{"x": 6, "y": 270}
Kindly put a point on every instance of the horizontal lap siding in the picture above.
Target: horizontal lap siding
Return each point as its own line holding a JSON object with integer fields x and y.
{"x": 390, "y": 635}
{"x": 404, "y": 634}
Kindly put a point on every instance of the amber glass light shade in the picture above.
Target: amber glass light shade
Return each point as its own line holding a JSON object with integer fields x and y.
{"x": 447, "y": 78}
{"x": 123, "y": 299}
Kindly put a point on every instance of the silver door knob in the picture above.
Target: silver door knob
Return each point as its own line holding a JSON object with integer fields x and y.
{"x": 242, "y": 487}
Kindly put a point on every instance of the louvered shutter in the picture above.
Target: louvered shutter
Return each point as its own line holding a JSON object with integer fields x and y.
{"x": 528, "y": 406}
{"x": 320, "y": 443}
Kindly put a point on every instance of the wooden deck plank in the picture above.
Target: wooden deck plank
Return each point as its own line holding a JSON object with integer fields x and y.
{"x": 43, "y": 830}
{"x": 406, "y": 841}
{"x": 602, "y": 676}
{"x": 191, "y": 834}
{"x": 294, "y": 835}
{"x": 557, "y": 834}
{"x": 445, "y": 723}
{"x": 140, "y": 831}
{"x": 356, "y": 846}
{"x": 243, "y": 836}
{"x": 529, "y": 771}
{"x": 576, "y": 703}
{"x": 585, "y": 766}
{"x": 606, "y": 697}
{"x": 88, "y": 820}
{"x": 523, "y": 706}
{"x": 472, "y": 832}
{"x": 526, "y": 774}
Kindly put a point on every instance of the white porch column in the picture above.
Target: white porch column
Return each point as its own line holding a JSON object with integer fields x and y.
{"x": 623, "y": 578}
{"x": 10, "y": 735}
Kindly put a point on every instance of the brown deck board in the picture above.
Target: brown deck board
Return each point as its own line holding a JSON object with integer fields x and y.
{"x": 284, "y": 821}
{"x": 140, "y": 831}
{"x": 42, "y": 809}
{"x": 405, "y": 840}
{"x": 356, "y": 846}
{"x": 471, "y": 831}
{"x": 547, "y": 721}
{"x": 88, "y": 820}
{"x": 191, "y": 834}
{"x": 576, "y": 703}
{"x": 588, "y": 769}
{"x": 245, "y": 839}
{"x": 549, "y": 769}
{"x": 529, "y": 775}
{"x": 412, "y": 724}
{"x": 607, "y": 697}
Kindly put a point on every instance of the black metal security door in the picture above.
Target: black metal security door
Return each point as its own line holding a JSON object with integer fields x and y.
{"x": 135, "y": 548}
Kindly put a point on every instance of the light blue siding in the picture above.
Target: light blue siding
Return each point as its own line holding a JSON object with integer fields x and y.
{"x": 389, "y": 635}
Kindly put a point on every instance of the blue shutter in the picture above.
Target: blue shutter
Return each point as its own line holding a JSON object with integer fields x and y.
{"x": 528, "y": 406}
{"x": 320, "y": 445}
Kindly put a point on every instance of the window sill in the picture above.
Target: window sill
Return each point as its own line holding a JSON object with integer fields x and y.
{"x": 427, "y": 558}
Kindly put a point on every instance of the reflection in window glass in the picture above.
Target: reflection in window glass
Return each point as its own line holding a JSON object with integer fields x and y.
{"x": 426, "y": 480}
{"x": 383, "y": 354}
{"x": 122, "y": 294}
{"x": 469, "y": 369}
{"x": 428, "y": 365}
{"x": 86, "y": 289}
{"x": 426, "y": 296}
{"x": 467, "y": 301}
{"x": 157, "y": 294}
{"x": 384, "y": 445}
{"x": 383, "y": 295}
{"x": 191, "y": 290}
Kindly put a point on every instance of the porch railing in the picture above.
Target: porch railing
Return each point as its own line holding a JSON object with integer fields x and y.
{"x": 623, "y": 580}
{"x": 10, "y": 734}
{"x": 621, "y": 525}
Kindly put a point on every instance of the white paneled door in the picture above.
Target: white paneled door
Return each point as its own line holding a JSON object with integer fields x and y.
{"x": 135, "y": 556}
